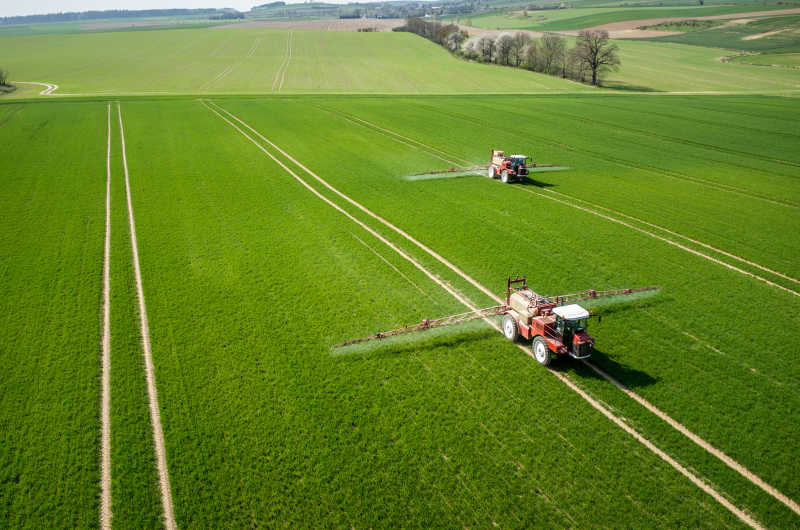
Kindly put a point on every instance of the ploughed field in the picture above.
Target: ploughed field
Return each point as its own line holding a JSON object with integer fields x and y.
{"x": 253, "y": 266}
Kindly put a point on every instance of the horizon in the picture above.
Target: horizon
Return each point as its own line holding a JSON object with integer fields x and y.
{"x": 48, "y": 7}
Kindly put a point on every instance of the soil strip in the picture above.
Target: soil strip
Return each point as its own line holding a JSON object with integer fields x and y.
{"x": 594, "y": 403}
{"x": 105, "y": 384}
{"x": 155, "y": 414}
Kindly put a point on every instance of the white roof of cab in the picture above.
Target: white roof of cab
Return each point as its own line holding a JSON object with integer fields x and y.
{"x": 571, "y": 312}
{"x": 518, "y": 156}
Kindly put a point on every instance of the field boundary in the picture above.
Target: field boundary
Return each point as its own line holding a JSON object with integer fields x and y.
{"x": 152, "y": 392}
{"x": 731, "y": 463}
{"x": 594, "y": 403}
{"x": 105, "y": 384}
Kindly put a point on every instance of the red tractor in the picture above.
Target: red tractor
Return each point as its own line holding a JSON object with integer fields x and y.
{"x": 507, "y": 167}
{"x": 555, "y": 329}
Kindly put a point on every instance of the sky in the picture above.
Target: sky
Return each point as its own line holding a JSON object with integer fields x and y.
{"x": 38, "y": 7}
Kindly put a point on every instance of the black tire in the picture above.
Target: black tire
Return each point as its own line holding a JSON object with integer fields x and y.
{"x": 510, "y": 328}
{"x": 541, "y": 352}
{"x": 504, "y": 176}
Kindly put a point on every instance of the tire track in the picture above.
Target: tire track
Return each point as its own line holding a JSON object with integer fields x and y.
{"x": 47, "y": 91}
{"x": 223, "y": 74}
{"x": 155, "y": 414}
{"x": 105, "y": 362}
{"x": 791, "y": 504}
{"x": 564, "y": 379}
{"x": 288, "y": 60}
{"x": 280, "y": 74}
{"x": 668, "y": 241}
{"x": 687, "y": 238}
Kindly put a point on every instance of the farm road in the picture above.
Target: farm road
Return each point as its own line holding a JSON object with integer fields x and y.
{"x": 733, "y": 464}
{"x": 594, "y": 403}
{"x": 155, "y": 414}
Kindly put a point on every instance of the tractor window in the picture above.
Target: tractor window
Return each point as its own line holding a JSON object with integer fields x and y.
{"x": 579, "y": 325}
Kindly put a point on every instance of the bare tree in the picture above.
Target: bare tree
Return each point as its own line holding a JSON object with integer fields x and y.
{"x": 486, "y": 48}
{"x": 552, "y": 53}
{"x": 503, "y": 46}
{"x": 597, "y": 52}
{"x": 518, "y": 47}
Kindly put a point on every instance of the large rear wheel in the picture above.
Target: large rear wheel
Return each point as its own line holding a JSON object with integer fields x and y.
{"x": 541, "y": 351}
{"x": 491, "y": 173}
{"x": 510, "y": 329}
{"x": 504, "y": 176}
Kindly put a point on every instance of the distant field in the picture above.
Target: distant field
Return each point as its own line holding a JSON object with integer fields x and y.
{"x": 566, "y": 19}
{"x": 258, "y": 61}
{"x": 251, "y": 276}
{"x": 211, "y": 61}
{"x": 772, "y": 59}
{"x": 675, "y": 67}
{"x": 776, "y": 34}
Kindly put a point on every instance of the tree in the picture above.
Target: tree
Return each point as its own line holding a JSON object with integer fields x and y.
{"x": 531, "y": 55}
{"x": 552, "y": 53}
{"x": 597, "y": 52}
{"x": 486, "y": 48}
{"x": 517, "y": 52}
{"x": 503, "y": 46}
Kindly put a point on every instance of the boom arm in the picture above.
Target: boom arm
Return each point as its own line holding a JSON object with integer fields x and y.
{"x": 430, "y": 324}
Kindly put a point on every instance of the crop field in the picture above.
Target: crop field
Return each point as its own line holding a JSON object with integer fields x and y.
{"x": 269, "y": 228}
{"x": 228, "y": 60}
{"x": 569, "y": 19}
{"x": 772, "y": 34}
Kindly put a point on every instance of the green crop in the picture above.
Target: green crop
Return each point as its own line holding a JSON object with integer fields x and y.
{"x": 250, "y": 279}
{"x": 51, "y": 236}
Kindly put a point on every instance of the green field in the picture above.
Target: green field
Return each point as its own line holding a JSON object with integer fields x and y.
{"x": 570, "y": 19}
{"x": 250, "y": 278}
{"x": 294, "y": 189}
{"x": 780, "y": 34}
{"x": 791, "y": 60}
{"x": 252, "y": 61}
{"x": 209, "y": 61}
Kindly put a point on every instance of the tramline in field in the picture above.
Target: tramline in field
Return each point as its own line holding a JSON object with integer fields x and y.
{"x": 555, "y": 326}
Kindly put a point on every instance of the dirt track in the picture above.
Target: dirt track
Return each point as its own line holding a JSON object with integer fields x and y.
{"x": 619, "y": 422}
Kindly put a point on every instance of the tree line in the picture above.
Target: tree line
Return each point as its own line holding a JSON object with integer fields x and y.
{"x": 111, "y": 13}
{"x": 592, "y": 56}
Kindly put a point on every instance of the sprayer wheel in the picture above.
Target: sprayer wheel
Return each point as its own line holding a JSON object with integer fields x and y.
{"x": 510, "y": 329}
{"x": 504, "y": 176}
{"x": 541, "y": 351}
{"x": 491, "y": 173}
